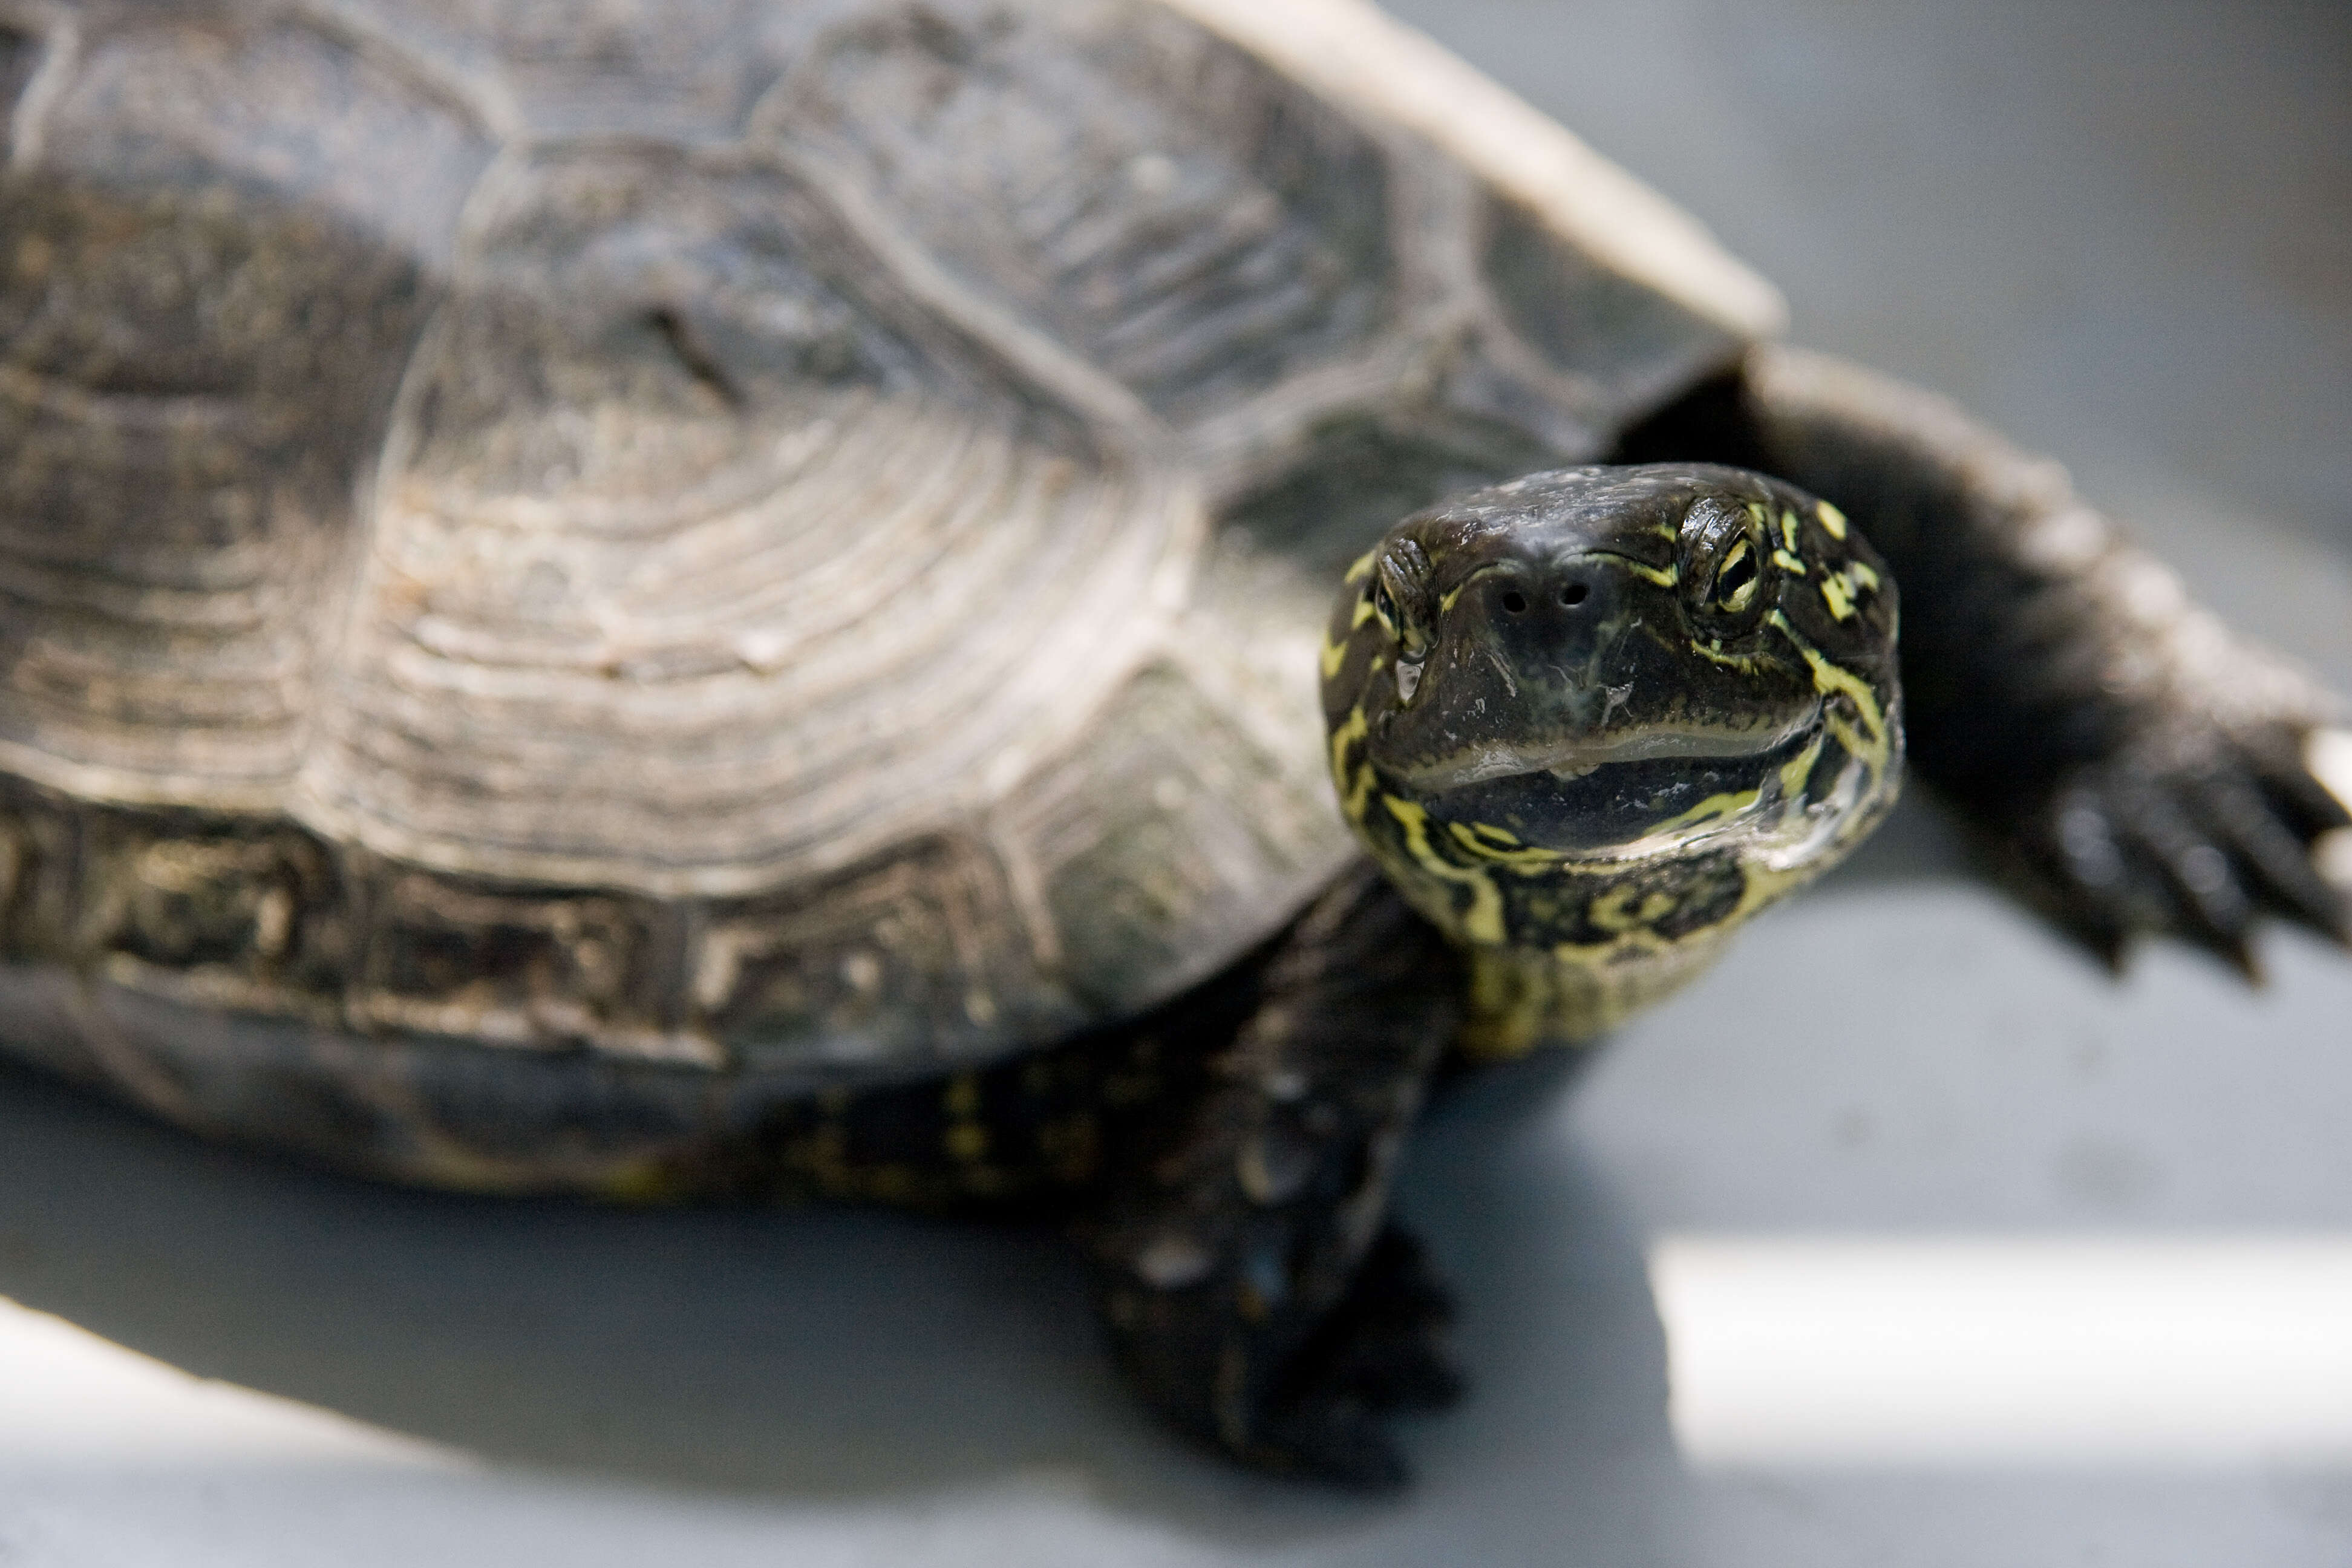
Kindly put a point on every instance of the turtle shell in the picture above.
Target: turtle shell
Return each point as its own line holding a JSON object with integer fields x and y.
{"x": 786, "y": 539}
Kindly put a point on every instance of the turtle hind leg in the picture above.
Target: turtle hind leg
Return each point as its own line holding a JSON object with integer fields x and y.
{"x": 1253, "y": 1292}
{"x": 2132, "y": 767}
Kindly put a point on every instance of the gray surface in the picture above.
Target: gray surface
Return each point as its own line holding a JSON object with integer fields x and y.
{"x": 2123, "y": 240}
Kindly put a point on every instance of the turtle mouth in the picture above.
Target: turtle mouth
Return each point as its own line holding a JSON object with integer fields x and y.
{"x": 1650, "y": 792}
{"x": 1575, "y": 757}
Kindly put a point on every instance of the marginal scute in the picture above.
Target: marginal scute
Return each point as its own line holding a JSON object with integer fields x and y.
{"x": 521, "y": 969}
{"x": 243, "y": 917}
{"x": 1147, "y": 194}
{"x": 923, "y": 959}
{"x": 1625, "y": 345}
{"x": 276, "y": 107}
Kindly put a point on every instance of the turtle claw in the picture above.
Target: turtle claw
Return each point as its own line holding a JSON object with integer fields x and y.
{"x": 1383, "y": 1344}
{"x": 2190, "y": 841}
{"x": 2261, "y": 820}
{"x": 1380, "y": 1351}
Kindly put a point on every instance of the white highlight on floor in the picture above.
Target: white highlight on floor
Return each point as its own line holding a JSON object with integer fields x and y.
{"x": 1863, "y": 1353}
{"x": 2328, "y": 754}
{"x": 67, "y": 1396}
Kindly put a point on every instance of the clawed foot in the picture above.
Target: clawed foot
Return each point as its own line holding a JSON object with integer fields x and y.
{"x": 1301, "y": 1400}
{"x": 2193, "y": 839}
{"x": 1381, "y": 1350}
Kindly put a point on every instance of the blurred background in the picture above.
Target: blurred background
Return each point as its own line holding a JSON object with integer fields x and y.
{"x": 2123, "y": 235}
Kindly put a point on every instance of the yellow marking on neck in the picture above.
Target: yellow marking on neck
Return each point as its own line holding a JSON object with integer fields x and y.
{"x": 1363, "y": 565}
{"x": 1835, "y": 595}
{"x": 1789, "y": 530}
{"x": 1524, "y": 997}
{"x": 1356, "y": 791}
{"x": 1788, "y": 562}
{"x": 1870, "y": 743}
{"x": 1859, "y": 571}
{"x": 1528, "y": 861}
{"x": 1483, "y": 922}
{"x": 1799, "y": 768}
{"x": 1713, "y": 808}
{"x": 1508, "y": 1006}
{"x": 1347, "y": 735}
{"x": 1615, "y": 912}
{"x": 1832, "y": 520}
{"x": 1335, "y": 654}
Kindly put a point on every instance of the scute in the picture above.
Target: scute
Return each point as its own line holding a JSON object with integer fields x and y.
{"x": 679, "y": 71}
{"x": 672, "y": 487}
{"x": 208, "y": 285}
{"x": 1161, "y": 204}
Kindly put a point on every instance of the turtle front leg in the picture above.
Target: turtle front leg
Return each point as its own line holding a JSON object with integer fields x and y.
{"x": 1253, "y": 1288}
{"x": 2131, "y": 765}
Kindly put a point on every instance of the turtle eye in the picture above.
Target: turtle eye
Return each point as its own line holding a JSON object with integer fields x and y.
{"x": 1725, "y": 575}
{"x": 1398, "y": 599}
{"x": 1735, "y": 579}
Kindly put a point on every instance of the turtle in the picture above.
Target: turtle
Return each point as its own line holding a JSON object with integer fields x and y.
{"x": 1040, "y": 606}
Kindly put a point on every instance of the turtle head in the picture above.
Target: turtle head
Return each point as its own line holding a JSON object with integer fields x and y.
{"x": 1613, "y": 708}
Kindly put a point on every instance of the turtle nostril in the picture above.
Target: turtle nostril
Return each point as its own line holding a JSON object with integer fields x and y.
{"x": 1515, "y": 602}
{"x": 1573, "y": 594}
